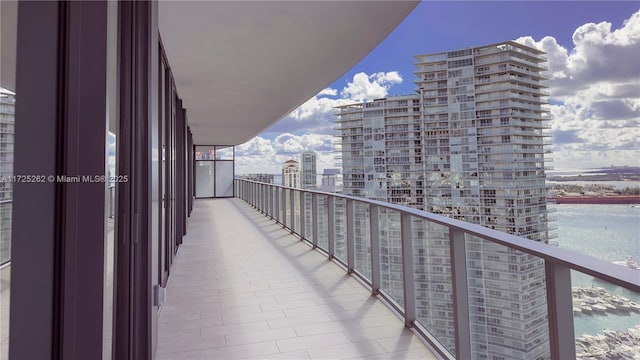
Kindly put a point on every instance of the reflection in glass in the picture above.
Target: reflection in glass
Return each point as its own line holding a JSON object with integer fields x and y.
{"x": 7, "y": 122}
{"x": 8, "y": 26}
{"x": 205, "y": 153}
{"x": 110, "y": 185}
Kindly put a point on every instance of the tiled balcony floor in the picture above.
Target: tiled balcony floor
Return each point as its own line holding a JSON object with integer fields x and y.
{"x": 243, "y": 287}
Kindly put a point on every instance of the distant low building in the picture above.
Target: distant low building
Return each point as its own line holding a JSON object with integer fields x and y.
{"x": 330, "y": 180}
{"x": 263, "y": 178}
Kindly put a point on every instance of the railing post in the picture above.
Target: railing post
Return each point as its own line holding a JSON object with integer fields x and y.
{"x": 407, "y": 271}
{"x": 314, "y": 215}
{"x": 292, "y": 218}
{"x": 303, "y": 231}
{"x": 330, "y": 226}
{"x": 374, "y": 230}
{"x": 560, "y": 311}
{"x": 462, "y": 328}
{"x": 350, "y": 237}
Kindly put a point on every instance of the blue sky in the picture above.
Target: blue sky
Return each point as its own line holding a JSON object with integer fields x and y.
{"x": 593, "y": 50}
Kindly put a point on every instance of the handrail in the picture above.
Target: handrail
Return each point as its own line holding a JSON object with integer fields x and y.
{"x": 558, "y": 261}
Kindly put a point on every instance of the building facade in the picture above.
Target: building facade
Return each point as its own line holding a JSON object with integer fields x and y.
{"x": 309, "y": 172}
{"x": 291, "y": 174}
{"x": 470, "y": 145}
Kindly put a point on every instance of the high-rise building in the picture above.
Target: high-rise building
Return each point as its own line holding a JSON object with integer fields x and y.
{"x": 470, "y": 145}
{"x": 309, "y": 174}
{"x": 7, "y": 122}
{"x": 291, "y": 174}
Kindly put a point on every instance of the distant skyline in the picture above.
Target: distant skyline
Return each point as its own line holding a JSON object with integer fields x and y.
{"x": 594, "y": 72}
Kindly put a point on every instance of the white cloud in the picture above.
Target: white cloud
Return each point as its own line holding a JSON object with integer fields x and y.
{"x": 328, "y": 91}
{"x": 317, "y": 114}
{"x": 316, "y": 118}
{"x": 595, "y": 94}
{"x": 261, "y": 155}
{"x": 368, "y": 87}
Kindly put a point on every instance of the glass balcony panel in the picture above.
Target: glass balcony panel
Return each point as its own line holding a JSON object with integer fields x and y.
{"x": 224, "y": 153}
{"x": 606, "y": 319}
{"x": 391, "y": 275}
{"x": 507, "y": 302}
{"x": 340, "y": 229}
{"x": 323, "y": 222}
{"x": 286, "y": 209}
{"x": 308, "y": 216}
{"x": 362, "y": 239}
{"x": 433, "y": 282}
{"x": 297, "y": 205}
{"x": 205, "y": 152}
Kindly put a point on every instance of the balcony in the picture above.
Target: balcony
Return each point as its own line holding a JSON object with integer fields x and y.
{"x": 244, "y": 287}
{"x": 444, "y": 276}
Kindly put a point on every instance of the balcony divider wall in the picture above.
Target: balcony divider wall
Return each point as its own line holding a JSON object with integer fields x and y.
{"x": 214, "y": 168}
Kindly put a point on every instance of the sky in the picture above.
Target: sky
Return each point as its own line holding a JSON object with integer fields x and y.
{"x": 593, "y": 51}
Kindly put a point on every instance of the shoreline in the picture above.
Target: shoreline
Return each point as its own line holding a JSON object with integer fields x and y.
{"x": 596, "y": 199}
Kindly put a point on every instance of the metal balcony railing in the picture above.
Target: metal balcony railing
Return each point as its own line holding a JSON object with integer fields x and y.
{"x": 442, "y": 275}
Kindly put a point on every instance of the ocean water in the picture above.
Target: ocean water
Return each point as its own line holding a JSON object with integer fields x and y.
{"x": 608, "y": 232}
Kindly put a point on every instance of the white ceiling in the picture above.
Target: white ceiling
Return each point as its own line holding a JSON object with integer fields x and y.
{"x": 241, "y": 66}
